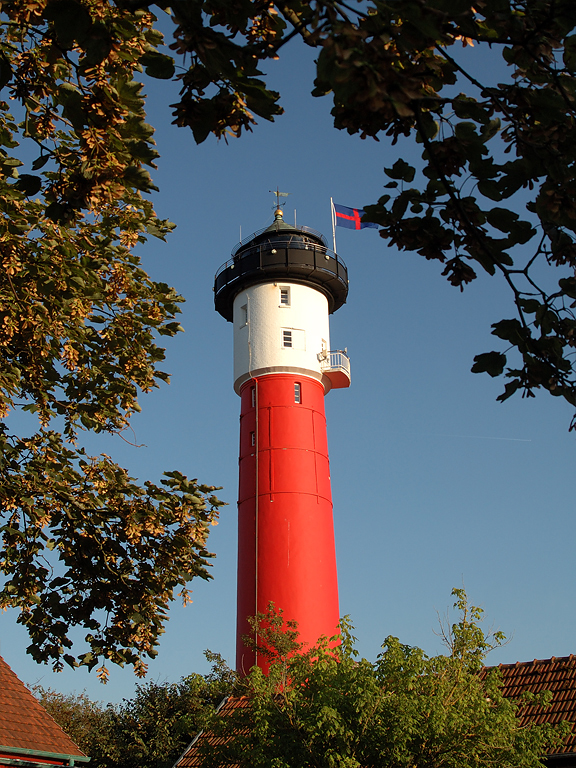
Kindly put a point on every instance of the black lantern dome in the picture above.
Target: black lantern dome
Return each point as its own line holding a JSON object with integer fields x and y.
{"x": 281, "y": 252}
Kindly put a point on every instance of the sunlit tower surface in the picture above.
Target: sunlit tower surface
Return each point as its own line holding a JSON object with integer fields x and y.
{"x": 278, "y": 290}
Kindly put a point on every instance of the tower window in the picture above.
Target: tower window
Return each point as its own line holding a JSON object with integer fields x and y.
{"x": 284, "y": 297}
{"x": 295, "y": 338}
{"x": 297, "y": 392}
{"x": 253, "y": 397}
{"x": 244, "y": 315}
{"x": 252, "y": 438}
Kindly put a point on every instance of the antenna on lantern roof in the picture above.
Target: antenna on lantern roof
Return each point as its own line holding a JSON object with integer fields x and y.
{"x": 278, "y": 212}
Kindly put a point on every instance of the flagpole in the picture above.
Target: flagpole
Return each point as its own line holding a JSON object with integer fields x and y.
{"x": 333, "y": 225}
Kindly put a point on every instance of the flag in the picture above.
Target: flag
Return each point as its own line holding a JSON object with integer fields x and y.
{"x": 351, "y": 218}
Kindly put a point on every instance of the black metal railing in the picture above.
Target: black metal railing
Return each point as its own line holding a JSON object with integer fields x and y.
{"x": 298, "y": 231}
{"x": 277, "y": 258}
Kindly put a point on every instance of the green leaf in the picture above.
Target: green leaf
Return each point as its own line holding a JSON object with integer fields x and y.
{"x": 158, "y": 65}
{"x": 491, "y": 363}
{"x": 29, "y": 185}
{"x": 466, "y": 131}
{"x": 510, "y": 388}
{"x": 401, "y": 170}
{"x": 40, "y": 162}
{"x": 71, "y": 100}
{"x": 453, "y": 7}
{"x": 467, "y": 107}
{"x": 130, "y": 94}
{"x": 139, "y": 179}
{"x": 490, "y": 129}
{"x": 509, "y": 330}
{"x": 58, "y": 212}
{"x": 5, "y": 72}
{"x": 529, "y": 305}
{"x": 521, "y": 232}
{"x": 430, "y": 128}
{"x": 502, "y": 218}
{"x": 569, "y": 53}
{"x": 71, "y": 20}
{"x": 11, "y": 162}
{"x": 568, "y": 286}
{"x": 490, "y": 189}
{"x": 97, "y": 43}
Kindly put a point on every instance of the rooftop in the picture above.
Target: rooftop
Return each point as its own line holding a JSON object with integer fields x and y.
{"x": 25, "y": 726}
{"x": 557, "y": 675}
{"x": 191, "y": 755}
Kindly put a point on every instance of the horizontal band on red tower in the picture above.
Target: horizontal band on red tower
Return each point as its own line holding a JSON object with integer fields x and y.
{"x": 257, "y": 374}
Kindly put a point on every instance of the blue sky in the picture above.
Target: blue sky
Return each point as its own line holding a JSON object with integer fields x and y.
{"x": 435, "y": 484}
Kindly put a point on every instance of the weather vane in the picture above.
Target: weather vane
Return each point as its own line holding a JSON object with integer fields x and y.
{"x": 278, "y": 196}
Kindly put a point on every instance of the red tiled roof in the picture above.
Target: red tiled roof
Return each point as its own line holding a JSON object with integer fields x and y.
{"x": 191, "y": 757}
{"x": 25, "y": 724}
{"x": 557, "y": 675}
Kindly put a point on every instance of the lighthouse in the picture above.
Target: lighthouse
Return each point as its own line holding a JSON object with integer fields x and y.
{"x": 278, "y": 290}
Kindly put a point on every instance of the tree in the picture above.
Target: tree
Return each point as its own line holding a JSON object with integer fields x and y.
{"x": 148, "y": 731}
{"x": 83, "y": 544}
{"x": 328, "y": 708}
{"x": 84, "y": 720}
{"x": 496, "y": 186}
{"x": 80, "y": 318}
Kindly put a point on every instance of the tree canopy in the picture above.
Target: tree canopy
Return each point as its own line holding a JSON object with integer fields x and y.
{"x": 149, "y": 730}
{"x": 83, "y": 544}
{"x": 329, "y": 708}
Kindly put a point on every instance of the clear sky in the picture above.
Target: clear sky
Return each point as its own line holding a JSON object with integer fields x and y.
{"x": 435, "y": 484}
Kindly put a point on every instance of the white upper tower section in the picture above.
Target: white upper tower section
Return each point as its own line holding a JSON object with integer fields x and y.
{"x": 280, "y": 327}
{"x": 278, "y": 289}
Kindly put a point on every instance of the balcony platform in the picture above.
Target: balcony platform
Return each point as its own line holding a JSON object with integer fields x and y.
{"x": 335, "y": 365}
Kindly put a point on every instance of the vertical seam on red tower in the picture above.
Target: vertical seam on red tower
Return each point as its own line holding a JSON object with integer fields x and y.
{"x": 315, "y": 456}
{"x": 270, "y": 450}
{"x": 257, "y": 442}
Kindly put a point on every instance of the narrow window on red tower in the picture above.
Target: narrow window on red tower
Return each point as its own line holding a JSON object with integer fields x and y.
{"x": 286, "y": 338}
{"x": 252, "y": 438}
{"x": 297, "y": 392}
{"x": 253, "y": 397}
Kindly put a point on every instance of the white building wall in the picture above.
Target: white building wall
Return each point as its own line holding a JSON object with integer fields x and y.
{"x": 264, "y": 324}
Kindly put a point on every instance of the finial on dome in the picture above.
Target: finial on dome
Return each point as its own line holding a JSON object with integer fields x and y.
{"x": 278, "y": 215}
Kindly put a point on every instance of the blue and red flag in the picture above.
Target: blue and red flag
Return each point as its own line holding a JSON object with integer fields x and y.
{"x": 351, "y": 218}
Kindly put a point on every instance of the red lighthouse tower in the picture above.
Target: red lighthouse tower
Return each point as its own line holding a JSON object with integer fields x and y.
{"x": 278, "y": 290}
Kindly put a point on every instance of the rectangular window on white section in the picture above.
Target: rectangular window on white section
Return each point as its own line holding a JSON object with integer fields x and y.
{"x": 295, "y": 338}
{"x": 244, "y": 315}
{"x": 284, "y": 297}
{"x": 297, "y": 392}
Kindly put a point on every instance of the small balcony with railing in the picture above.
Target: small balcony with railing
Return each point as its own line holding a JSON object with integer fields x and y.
{"x": 335, "y": 365}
